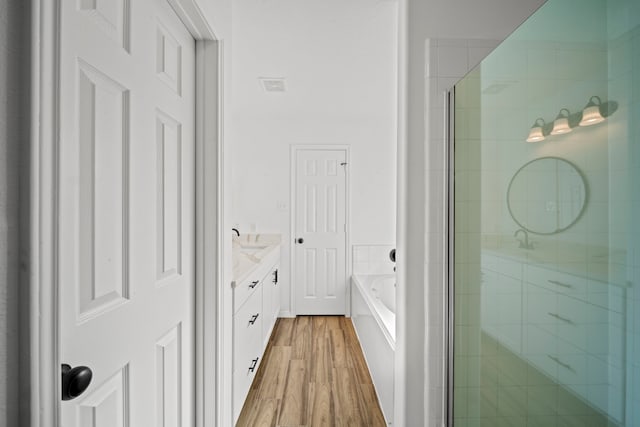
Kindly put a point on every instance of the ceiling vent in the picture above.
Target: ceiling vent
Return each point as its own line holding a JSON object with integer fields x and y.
{"x": 498, "y": 87}
{"x": 272, "y": 84}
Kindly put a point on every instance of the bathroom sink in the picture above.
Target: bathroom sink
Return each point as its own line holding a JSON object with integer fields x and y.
{"x": 521, "y": 254}
{"x": 252, "y": 249}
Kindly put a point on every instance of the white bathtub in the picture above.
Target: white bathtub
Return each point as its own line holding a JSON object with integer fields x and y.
{"x": 374, "y": 318}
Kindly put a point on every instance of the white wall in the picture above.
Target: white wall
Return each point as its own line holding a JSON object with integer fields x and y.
{"x": 339, "y": 60}
{"x": 218, "y": 14}
{"x": 14, "y": 95}
{"x": 421, "y": 255}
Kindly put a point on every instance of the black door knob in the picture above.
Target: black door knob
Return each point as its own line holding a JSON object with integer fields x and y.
{"x": 75, "y": 381}
{"x": 300, "y": 240}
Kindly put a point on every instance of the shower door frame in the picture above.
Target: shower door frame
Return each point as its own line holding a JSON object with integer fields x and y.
{"x": 449, "y": 250}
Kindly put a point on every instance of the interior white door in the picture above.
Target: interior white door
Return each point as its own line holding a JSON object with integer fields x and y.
{"x": 126, "y": 212}
{"x": 320, "y": 231}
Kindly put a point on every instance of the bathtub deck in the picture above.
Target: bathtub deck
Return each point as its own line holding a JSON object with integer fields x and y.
{"x": 313, "y": 374}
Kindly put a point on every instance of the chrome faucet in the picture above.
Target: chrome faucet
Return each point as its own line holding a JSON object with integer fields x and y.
{"x": 526, "y": 244}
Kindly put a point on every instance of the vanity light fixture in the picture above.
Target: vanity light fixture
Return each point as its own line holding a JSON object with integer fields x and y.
{"x": 595, "y": 112}
{"x": 592, "y": 113}
{"x": 561, "y": 123}
{"x": 537, "y": 132}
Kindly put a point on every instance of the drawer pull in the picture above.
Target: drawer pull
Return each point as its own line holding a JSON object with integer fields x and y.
{"x": 254, "y": 284}
{"x": 559, "y": 362}
{"x": 557, "y": 316}
{"x": 564, "y": 285}
{"x": 254, "y": 318}
{"x": 254, "y": 362}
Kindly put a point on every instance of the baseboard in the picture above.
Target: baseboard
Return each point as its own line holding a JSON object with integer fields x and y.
{"x": 286, "y": 314}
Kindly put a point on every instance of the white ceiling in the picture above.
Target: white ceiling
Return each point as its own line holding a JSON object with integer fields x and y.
{"x": 339, "y": 58}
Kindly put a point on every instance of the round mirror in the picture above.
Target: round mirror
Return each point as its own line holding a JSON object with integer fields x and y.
{"x": 547, "y": 195}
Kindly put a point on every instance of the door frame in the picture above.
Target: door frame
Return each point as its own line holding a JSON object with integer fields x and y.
{"x": 292, "y": 223}
{"x": 41, "y": 239}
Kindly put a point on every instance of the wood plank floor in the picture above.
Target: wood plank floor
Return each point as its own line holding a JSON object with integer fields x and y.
{"x": 313, "y": 374}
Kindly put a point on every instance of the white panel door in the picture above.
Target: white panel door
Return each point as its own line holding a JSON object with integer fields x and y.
{"x": 126, "y": 212}
{"x": 320, "y": 231}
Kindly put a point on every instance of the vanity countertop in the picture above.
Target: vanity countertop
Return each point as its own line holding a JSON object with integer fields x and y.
{"x": 592, "y": 262}
{"x": 250, "y": 251}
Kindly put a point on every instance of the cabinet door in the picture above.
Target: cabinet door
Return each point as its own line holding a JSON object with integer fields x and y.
{"x": 501, "y": 301}
{"x": 270, "y": 302}
{"x": 267, "y": 297}
{"x": 488, "y": 297}
{"x": 509, "y": 309}
{"x": 275, "y": 299}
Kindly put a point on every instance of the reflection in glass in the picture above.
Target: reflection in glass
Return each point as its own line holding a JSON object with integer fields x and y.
{"x": 547, "y": 195}
{"x": 548, "y": 333}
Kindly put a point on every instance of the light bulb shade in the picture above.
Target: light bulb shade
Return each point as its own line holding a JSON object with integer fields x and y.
{"x": 561, "y": 123}
{"x": 561, "y": 126}
{"x": 536, "y": 134}
{"x": 591, "y": 115}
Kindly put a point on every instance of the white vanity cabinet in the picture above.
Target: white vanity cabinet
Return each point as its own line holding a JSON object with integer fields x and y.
{"x": 571, "y": 328}
{"x": 501, "y": 301}
{"x": 574, "y": 333}
{"x": 254, "y": 303}
{"x": 275, "y": 301}
{"x": 270, "y": 303}
{"x": 247, "y": 347}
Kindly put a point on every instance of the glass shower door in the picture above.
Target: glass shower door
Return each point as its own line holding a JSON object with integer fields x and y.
{"x": 546, "y": 233}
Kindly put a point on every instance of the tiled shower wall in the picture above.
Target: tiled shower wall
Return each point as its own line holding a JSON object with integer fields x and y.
{"x": 372, "y": 259}
{"x": 624, "y": 86}
{"x": 448, "y": 60}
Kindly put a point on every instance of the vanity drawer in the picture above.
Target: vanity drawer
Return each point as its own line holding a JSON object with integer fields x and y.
{"x": 576, "y": 321}
{"x": 504, "y": 266}
{"x": 607, "y": 296}
{"x": 572, "y": 367}
{"x": 540, "y": 348}
{"x": 488, "y": 296}
{"x": 247, "y": 328}
{"x": 556, "y": 281}
{"x": 245, "y": 288}
{"x": 242, "y": 378}
{"x": 539, "y": 302}
{"x": 607, "y": 343}
{"x": 247, "y": 347}
{"x": 559, "y": 360}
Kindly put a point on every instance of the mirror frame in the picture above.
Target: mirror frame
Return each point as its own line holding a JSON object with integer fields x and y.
{"x": 584, "y": 205}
